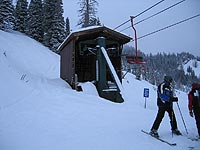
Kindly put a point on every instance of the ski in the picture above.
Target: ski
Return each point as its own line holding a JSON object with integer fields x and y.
{"x": 191, "y": 147}
{"x": 164, "y": 141}
{"x": 193, "y": 139}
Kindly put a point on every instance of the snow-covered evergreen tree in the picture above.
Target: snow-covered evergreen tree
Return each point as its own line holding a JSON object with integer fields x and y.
{"x": 87, "y": 13}
{"x": 21, "y": 15}
{"x": 54, "y": 24}
{"x": 6, "y": 15}
{"x": 67, "y": 26}
{"x": 47, "y": 10}
{"x": 35, "y": 19}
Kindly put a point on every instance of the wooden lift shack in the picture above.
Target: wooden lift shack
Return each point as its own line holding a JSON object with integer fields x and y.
{"x": 94, "y": 54}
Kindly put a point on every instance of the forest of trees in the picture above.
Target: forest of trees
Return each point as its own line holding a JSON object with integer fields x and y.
{"x": 161, "y": 64}
{"x": 43, "y": 20}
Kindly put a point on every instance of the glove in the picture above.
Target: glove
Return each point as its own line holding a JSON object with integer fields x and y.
{"x": 191, "y": 113}
{"x": 175, "y": 99}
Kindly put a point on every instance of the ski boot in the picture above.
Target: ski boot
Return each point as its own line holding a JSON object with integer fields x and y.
{"x": 176, "y": 132}
{"x": 154, "y": 133}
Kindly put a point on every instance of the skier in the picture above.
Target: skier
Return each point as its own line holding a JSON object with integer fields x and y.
{"x": 194, "y": 104}
{"x": 164, "y": 102}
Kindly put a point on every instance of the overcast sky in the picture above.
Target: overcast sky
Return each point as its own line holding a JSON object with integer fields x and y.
{"x": 183, "y": 37}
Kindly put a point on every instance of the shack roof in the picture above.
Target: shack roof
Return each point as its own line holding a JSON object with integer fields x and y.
{"x": 94, "y": 32}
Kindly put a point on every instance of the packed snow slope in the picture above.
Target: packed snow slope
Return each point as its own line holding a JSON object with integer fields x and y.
{"x": 39, "y": 111}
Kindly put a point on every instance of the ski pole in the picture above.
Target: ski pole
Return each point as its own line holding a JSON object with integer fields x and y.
{"x": 182, "y": 117}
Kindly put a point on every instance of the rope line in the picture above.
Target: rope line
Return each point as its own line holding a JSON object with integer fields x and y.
{"x": 139, "y": 14}
{"x": 167, "y": 27}
{"x": 155, "y": 14}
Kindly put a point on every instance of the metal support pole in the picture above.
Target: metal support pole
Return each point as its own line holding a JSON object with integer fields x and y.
{"x": 135, "y": 33}
{"x": 145, "y": 103}
{"x": 101, "y": 63}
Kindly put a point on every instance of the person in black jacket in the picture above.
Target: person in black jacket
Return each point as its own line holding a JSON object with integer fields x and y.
{"x": 194, "y": 104}
{"x": 164, "y": 102}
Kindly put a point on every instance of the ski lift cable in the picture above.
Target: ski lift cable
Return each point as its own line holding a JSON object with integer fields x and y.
{"x": 139, "y": 14}
{"x": 167, "y": 27}
{"x": 155, "y": 14}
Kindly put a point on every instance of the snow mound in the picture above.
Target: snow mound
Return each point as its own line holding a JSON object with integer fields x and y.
{"x": 39, "y": 111}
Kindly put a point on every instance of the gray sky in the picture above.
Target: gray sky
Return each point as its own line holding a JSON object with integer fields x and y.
{"x": 183, "y": 37}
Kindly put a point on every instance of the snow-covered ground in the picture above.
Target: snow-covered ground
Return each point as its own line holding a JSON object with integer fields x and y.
{"x": 39, "y": 111}
{"x": 194, "y": 65}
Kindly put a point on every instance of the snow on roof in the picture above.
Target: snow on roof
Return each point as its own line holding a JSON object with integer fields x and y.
{"x": 91, "y": 28}
{"x": 78, "y": 30}
{"x": 86, "y": 28}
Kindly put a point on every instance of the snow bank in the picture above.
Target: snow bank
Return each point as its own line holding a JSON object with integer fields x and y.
{"x": 39, "y": 111}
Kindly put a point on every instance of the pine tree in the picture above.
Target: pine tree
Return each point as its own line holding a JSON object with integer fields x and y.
{"x": 54, "y": 24}
{"x": 94, "y": 22}
{"x": 67, "y": 26}
{"x": 87, "y": 13}
{"x": 6, "y": 15}
{"x": 48, "y": 16}
{"x": 34, "y": 20}
{"x": 21, "y": 15}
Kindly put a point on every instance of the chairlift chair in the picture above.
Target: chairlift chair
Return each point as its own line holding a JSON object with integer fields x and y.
{"x": 134, "y": 59}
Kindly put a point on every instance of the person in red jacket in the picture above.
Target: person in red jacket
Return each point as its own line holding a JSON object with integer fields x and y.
{"x": 194, "y": 104}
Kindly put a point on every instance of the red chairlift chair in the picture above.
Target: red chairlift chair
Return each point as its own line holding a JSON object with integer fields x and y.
{"x": 134, "y": 59}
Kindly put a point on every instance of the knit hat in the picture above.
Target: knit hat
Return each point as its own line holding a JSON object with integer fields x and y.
{"x": 195, "y": 86}
{"x": 168, "y": 79}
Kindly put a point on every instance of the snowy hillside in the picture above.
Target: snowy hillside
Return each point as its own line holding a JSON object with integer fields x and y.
{"x": 39, "y": 111}
{"x": 194, "y": 65}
